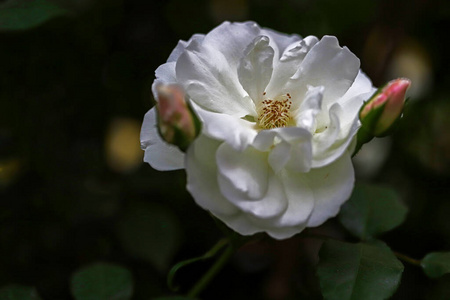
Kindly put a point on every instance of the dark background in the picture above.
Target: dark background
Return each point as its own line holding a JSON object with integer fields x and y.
{"x": 74, "y": 88}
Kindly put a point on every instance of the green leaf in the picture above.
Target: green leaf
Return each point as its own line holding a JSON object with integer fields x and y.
{"x": 102, "y": 281}
{"x": 436, "y": 264}
{"x": 151, "y": 232}
{"x": 372, "y": 210}
{"x": 25, "y": 14}
{"x": 358, "y": 271}
{"x": 18, "y": 292}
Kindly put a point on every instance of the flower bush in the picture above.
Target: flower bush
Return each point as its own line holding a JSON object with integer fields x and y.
{"x": 279, "y": 118}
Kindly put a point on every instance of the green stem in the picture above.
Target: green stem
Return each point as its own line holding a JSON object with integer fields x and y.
{"x": 212, "y": 252}
{"x": 215, "y": 268}
{"x": 407, "y": 259}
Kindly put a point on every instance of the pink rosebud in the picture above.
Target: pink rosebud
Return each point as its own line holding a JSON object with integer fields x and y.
{"x": 381, "y": 111}
{"x": 176, "y": 121}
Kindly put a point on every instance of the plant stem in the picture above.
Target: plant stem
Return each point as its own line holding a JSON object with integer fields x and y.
{"x": 212, "y": 252}
{"x": 407, "y": 259}
{"x": 215, "y": 268}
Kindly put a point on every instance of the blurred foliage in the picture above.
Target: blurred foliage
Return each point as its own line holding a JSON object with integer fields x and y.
{"x": 75, "y": 81}
{"x": 25, "y": 14}
{"x": 436, "y": 264}
{"x": 150, "y": 232}
{"x": 17, "y": 292}
{"x": 102, "y": 282}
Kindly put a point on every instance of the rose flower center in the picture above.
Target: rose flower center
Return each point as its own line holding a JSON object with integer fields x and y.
{"x": 273, "y": 113}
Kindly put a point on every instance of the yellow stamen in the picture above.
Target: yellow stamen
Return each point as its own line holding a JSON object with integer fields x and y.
{"x": 273, "y": 113}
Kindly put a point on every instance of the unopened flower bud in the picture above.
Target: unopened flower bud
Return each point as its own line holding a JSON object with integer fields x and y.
{"x": 381, "y": 112}
{"x": 176, "y": 122}
{"x": 384, "y": 108}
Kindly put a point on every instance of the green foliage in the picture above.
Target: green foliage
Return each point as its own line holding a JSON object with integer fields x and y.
{"x": 102, "y": 281}
{"x": 151, "y": 232}
{"x": 436, "y": 264}
{"x": 358, "y": 271}
{"x": 371, "y": 211}
{"x": 25, "y": 14}
{"x": 18, "y": 292}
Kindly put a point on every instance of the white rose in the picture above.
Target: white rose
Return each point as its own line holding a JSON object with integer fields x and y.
{"x": 279, "y": 116}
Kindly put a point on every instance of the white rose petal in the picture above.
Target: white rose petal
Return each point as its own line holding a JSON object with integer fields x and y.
{"x": 158, "y": 153}
{"x": 279, "y": 117}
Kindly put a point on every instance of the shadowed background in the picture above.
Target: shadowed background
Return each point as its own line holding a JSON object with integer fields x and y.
{"x": 75, "y": 81}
